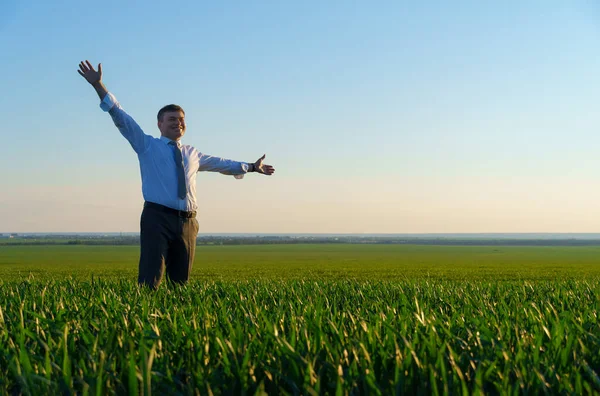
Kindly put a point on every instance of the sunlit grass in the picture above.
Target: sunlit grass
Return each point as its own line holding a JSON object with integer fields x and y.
{"x": 450, "y": 327}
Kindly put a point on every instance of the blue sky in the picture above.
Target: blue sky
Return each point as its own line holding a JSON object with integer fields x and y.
{"x": 379, "y": 117}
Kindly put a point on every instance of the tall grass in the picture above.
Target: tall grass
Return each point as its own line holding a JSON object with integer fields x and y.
{"x": 300, "y": 336}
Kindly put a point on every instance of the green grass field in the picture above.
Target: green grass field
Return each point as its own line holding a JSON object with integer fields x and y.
{"x": 307, "y": 319}
{"x": 320, "y": 262}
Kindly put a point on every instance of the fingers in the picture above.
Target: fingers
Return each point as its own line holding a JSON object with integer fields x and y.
{"x": 268, "y": 169}
{"x": 263, "y": 168}
{"x": 82, "y": 69}
{"x": 86, "y": 70}
{"x": 86, "y": 66}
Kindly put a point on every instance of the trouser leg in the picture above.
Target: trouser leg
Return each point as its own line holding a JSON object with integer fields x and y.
{"x": 154, "y": 246}
{"x": 182, "y": 250}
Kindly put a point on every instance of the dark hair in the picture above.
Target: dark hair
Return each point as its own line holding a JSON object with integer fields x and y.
{"x": 167, "y": 109}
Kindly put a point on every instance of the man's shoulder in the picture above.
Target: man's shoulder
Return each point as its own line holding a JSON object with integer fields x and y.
{"x": 189, "y": 148}
{"x": 154, "y": 139}
{"x": 153, "y": 142}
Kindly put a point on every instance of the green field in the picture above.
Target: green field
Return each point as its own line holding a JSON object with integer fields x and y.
{"x": 321, "y": 262}
{"x": 308, "y": 319}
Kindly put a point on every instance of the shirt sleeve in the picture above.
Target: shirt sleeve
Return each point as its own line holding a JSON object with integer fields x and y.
{"x": 209, "y": 163}
{"x": 126, "y": 124}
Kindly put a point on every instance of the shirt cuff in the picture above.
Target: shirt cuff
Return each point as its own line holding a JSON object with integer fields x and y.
{"x": 108, "y": 102}
{"x": 245, "y": 168}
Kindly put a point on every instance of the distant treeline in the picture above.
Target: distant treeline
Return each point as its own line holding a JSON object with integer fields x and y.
{"x": 270, "y": 240}
{"x": 72, "y": 240}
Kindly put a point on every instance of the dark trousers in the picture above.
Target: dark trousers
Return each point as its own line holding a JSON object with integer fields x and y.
{"x": 167, "y": 241}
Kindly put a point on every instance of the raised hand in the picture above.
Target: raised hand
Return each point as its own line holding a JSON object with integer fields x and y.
{"x": 263, "y": 168}
{"x": 86, "y": 70}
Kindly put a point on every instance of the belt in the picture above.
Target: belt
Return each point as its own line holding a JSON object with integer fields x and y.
{"x": 162, "y": 208}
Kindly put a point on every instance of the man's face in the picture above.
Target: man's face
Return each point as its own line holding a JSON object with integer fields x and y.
{"x": 172, "y": 125}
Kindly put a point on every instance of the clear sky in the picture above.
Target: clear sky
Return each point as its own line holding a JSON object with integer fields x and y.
{"x": 380, "y": 117}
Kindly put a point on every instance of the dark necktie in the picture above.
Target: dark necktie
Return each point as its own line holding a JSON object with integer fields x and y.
{"x": 181, "y": 190}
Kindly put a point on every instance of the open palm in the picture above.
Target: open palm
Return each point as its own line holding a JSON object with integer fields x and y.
{"x": 263, "y": 168}
{"x": 86, "y": 70}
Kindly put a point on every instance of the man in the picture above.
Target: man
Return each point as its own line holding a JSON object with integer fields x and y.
{"x": 168, "y": 227}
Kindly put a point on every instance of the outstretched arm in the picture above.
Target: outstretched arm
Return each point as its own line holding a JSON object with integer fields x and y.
{"x": 86, "y": 70}
{"x": 124, "y": 122}
{"x": 209, "y": 163}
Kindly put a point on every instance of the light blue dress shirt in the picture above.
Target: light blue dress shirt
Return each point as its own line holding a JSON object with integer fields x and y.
{"x": 157, "y": 164}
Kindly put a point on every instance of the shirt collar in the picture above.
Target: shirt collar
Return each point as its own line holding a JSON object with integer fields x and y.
{"x": 166, "y": 140}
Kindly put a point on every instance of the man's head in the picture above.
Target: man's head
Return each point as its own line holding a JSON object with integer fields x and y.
{"x": 171, "y": 121}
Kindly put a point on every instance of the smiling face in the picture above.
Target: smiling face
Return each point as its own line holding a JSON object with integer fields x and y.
{"x": 171, "y": 122}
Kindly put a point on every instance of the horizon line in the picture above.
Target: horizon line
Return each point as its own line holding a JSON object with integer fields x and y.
{"x": 29, "y": 233}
